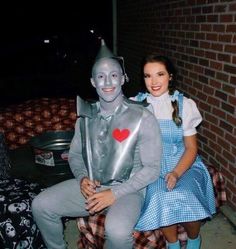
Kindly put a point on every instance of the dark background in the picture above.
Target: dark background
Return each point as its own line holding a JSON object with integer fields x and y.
{"x": 30, "y": 68}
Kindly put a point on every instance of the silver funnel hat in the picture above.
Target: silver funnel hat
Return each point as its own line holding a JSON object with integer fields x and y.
{"x": 105, "y": 52}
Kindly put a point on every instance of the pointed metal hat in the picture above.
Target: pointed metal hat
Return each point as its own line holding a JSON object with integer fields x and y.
{"x": 104, "y": 51}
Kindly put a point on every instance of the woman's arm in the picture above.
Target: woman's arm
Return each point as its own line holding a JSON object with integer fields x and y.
{"x": 185, "y": 161}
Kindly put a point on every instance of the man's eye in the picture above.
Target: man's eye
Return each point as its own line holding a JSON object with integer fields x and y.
{"x": 114, "y": 75}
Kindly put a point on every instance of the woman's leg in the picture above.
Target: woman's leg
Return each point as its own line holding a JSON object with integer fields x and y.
{"x": 170, "y": 233}
{"x": 193, "y": 230}
{"x": 171, "y": 236}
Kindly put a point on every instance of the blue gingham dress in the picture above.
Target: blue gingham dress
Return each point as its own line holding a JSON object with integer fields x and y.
{"x": 192, "y": 198}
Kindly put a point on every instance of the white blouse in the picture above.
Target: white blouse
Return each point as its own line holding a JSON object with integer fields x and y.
{"x": 163, "y": 109}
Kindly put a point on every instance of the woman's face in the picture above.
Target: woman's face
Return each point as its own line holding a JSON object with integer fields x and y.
{"x": 156, "y": 78}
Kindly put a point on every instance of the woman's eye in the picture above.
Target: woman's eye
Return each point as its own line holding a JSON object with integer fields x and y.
{"x": 146, "y": 76}
{"x": 114, "y": 75}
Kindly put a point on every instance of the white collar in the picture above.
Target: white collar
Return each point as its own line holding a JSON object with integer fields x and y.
{"x": 165, "y": 96}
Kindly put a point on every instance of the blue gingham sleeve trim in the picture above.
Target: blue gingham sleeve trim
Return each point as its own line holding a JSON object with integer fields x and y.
{"x": 140, "y": 96}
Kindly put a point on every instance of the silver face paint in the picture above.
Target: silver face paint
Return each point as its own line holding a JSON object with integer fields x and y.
{"x": 107, "y": 78}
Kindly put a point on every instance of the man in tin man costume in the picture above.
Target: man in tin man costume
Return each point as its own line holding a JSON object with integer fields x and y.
{"x": 115, "y": 153}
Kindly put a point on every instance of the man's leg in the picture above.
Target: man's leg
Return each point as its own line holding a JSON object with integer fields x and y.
{"x": 120, "y": 221}
{"x": 61, "y": 200}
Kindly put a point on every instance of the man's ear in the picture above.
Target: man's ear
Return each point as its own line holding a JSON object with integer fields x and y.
{"x": 92, "y": 82}
{"x": 122, "y": 80}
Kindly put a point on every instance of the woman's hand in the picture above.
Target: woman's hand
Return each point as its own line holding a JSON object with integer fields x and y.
{"x": 99, "y": 201}
{"x": 88, "y": 187}
{"x": 171, "y": 179}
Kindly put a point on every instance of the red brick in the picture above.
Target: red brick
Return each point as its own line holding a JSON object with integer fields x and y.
{"x": 230, "y": 48}
{"x": 213, "y": 101}
{"x": 230, "y": 138}
{"x": 230, "y": 186}
{"x": 219, "y": 28}
{"x": 231, "y": 28}
{"x": 232, "y": 100}
{"x": 226, "y": 18}
{"x": 231, "y": 120}
{"x": 217, "y": 130}
{"x": 225, "y": 38}
{"x": 208, "y": 90}
{"x": 212, "y": 119}
{"x": 229, "y": 156}
{"x": 220, "y": 8}
{"x": 221, "y": 160}
{"x": 216, "y": 65}
{"x": 222, "y": 76}
{"x": 224, "y": 57}
{"x": 233, "y": 80}
{"x": 211, "y": 37}
{"x": 227, "y": 174}
{"x": 232, "y": 7}
{"x": 205, "y": 44}
{"x": 212, "y": 18}
{"x": 219, "y": 113}
{"x": 228, "y": 108}
{"x": 216, "y": 147}
{"x": 224, "y": 143}
{"x": 229, "y": 69}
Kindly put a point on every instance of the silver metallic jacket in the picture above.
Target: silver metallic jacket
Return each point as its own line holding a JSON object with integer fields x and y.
{"x": 109, "y": 143}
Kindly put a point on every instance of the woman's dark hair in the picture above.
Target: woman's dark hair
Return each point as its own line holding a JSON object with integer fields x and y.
{"x": 170, "y": 68}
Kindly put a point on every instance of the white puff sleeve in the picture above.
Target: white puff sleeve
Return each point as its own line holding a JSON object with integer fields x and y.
{"x": 191, "y": 117}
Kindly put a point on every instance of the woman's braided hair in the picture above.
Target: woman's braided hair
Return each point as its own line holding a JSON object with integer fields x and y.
{"x": 172, "y": 72}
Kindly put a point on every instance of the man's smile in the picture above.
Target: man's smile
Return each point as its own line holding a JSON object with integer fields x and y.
{"x": 108, "y": 89}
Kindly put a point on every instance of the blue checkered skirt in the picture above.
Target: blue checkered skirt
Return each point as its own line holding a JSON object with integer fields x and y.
{"x": 192, "y": 198}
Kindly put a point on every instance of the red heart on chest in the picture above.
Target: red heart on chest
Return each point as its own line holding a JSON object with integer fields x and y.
{"x": 120, "y": 135}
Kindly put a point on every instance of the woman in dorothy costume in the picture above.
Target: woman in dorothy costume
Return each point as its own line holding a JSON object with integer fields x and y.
{"x": 184, "y": 192}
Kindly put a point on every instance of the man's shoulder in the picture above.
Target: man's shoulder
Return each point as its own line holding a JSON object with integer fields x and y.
{"x": 140, "y": 107}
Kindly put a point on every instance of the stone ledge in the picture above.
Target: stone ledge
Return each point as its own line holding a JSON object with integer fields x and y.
{"x": 229, "y": 213}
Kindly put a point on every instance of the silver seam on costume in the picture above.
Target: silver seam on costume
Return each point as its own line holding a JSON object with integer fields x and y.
{"x": 88, "y": 149}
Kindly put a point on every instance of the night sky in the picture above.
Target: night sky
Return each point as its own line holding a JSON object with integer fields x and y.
{"x": 31, "y": 68}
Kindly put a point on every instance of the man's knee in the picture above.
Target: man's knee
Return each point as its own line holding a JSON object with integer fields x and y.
{"x": 39, "y": 205}
{"x": 118, "y": 231}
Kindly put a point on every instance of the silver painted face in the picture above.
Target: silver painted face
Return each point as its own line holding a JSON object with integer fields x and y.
{"x": 107, "y": 78}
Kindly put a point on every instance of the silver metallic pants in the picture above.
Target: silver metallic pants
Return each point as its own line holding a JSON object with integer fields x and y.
{"x": 65, "y": 200}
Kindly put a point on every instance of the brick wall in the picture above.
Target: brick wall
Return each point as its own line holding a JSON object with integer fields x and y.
{"x": 200, "y": 37}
